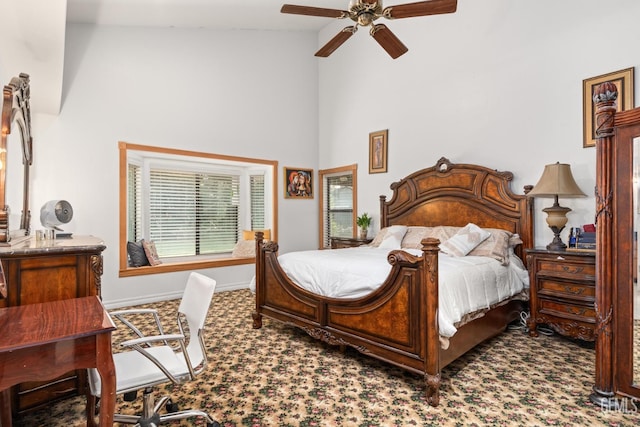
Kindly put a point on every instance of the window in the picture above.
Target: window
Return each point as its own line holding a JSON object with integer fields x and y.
{"x": 192, "y": 213}
{"x": 338, "y": 203}
{"x": 256, "y": 190}
{"x": 193, "y": 206}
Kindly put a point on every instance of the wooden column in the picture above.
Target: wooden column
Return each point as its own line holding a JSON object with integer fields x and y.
{"x": 605, "y": 108}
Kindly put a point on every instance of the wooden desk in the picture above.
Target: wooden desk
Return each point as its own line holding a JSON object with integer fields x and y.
{"x": 38, "y": 271}
{"x": 42, "y": 341}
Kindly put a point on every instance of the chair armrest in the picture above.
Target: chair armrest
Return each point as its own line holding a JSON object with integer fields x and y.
{"x": 153, "y": 339}
{"x": 124, "y": 317}
{"x": 133, "y": 311}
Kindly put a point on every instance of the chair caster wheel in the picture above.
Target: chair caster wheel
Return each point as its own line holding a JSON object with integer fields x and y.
{"x": 171, "y": 407}
{"x": 213, "y": 424}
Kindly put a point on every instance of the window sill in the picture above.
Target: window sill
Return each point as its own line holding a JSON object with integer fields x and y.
{"x": 183, "y": 266}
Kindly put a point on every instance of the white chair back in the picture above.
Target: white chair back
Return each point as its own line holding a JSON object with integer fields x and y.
{"x": 194, "y": 306}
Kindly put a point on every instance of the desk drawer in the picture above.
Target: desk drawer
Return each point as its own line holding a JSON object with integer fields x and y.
{"x": 33, "y": 394}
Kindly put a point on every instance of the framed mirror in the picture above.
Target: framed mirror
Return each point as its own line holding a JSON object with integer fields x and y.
{"x": 617, "y": 367}
{"x": 16, "y": 157}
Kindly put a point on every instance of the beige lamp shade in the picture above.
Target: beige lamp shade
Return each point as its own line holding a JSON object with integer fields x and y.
{"x": 556, "y": 180}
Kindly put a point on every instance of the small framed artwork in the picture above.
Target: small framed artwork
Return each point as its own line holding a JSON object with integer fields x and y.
{"x": 623, "y": 80}
{"x": 378, "y": 151}
{"x": 298, "y": 183}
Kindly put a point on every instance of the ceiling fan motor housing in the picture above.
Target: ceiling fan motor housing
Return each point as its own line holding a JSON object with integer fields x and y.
{"x": 365, "y": 13}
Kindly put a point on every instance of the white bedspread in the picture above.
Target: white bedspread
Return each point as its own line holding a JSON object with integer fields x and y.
{"x": 466, "y": 284}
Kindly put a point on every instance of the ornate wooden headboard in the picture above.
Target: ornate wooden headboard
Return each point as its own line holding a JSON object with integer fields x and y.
{"x": 457, "y": 194}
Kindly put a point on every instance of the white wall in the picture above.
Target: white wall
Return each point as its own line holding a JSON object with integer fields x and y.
{"x": 498, "y": 83}
{"x": 242, "y": 93}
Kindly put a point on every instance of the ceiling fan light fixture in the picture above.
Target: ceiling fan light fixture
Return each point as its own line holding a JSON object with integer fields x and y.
{"x": 366, "y": 18}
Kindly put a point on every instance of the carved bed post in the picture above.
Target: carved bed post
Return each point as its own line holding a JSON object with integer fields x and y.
{"x": 432, "y": 331}
{"x": 383, "y": 212}
{"x": 605, "y": 108}
{"x": 257, "y": 317}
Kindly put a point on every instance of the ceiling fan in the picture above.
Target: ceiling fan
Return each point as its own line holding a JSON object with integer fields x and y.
{"x": 365, "y": 12}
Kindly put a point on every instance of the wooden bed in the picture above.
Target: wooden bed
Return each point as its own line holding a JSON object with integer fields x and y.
{"x": 398, "y": 323}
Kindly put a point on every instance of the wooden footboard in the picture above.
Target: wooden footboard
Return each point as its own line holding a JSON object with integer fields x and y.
{"x": 397, "y": 323}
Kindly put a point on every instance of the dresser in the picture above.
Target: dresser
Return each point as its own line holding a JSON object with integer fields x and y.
{"x": 348, "y": 242}
{"x": 562, "y": 292}
{"x": 38, "y": 271}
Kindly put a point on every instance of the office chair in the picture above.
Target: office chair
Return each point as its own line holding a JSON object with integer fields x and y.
{"x": 151, "y": 360}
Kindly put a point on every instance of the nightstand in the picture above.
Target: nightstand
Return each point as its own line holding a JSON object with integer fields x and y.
{"x": 562, "y": 292}
{"x": 348, "y": 242}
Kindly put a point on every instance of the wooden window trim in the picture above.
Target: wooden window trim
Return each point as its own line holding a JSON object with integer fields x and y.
{"x": 321, "y": 173}
{"x": 124, "y": 269}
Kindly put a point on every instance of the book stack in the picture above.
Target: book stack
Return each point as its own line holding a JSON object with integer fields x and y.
{"x": 586, "y": 240}
{"x": 583, "y": 239}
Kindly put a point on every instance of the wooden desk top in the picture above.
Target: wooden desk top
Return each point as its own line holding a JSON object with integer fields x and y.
{"x": 36, "y": 324}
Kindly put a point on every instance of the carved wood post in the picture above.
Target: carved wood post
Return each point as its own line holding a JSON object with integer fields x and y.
{"x": 605, "y": 108}
{"x": 430, "y": 285}
{"x": 383, "y": 216}
{"x": 259, "y": 278}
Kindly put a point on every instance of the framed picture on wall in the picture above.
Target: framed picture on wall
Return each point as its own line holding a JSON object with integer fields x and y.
{"x": 378, "y": 151}
{"x": 298, "y": 183}
{"x": 623, "y": 80}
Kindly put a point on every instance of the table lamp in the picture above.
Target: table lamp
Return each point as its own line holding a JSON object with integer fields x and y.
{"x": 556, "y": 181}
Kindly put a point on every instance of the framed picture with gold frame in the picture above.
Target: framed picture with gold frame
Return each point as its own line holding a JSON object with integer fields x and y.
{"x": 623, "y": 80}
{"x": 378, "y": 151}
{"x": 298, "y": 183}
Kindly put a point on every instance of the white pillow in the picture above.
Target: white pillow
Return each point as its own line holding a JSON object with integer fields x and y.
{"x": 463, "y": 242}
{"x": 393, "y": 237}
{"x": 379, "y": 236}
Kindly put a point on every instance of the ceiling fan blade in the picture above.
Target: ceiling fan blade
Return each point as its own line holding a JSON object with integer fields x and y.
{"x": 314, "y": 11}
{"x": 421, "y": 8}
{"x": 337, "y": 41}
{"x": 388, "y": 40}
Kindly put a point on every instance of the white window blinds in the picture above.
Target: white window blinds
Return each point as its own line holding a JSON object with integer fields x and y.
{"x": 134, "y": 194}
{"x": 193, "y": 213}
{"x": 256, "y": 187}
{"x": 338, "y": 209}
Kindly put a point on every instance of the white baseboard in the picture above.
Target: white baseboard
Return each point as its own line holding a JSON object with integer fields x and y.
{"x": 148, "y": 299}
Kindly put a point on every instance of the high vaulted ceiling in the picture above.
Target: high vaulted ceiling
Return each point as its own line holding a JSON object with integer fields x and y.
{"x": 240, "y": 14}
{"x": 32, "y": 36}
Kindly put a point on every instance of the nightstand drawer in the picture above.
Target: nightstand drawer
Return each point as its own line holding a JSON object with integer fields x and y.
{"x": 577, "y": 312}
{"x": 568, "y": 290}
{"x": 567, "y": 269}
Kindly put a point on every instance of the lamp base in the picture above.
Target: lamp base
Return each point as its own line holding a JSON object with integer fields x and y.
{"x": 556, "y": 219}
{"x": 556, "y": 244}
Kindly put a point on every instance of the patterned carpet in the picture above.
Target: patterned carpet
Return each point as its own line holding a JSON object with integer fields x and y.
{"x": 278, "y": 376}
